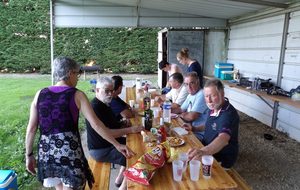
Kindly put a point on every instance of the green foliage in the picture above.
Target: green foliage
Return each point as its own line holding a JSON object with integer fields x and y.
{"x": 25, "y": 42}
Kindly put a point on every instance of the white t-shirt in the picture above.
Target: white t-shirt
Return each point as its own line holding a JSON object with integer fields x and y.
{"x": 178, "y": 96}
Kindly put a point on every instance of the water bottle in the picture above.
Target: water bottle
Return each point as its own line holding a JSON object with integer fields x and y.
{"x": 167, "y": 111}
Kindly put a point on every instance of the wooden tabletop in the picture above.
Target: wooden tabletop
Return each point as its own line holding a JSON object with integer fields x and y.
{"x": 163, "y": 177}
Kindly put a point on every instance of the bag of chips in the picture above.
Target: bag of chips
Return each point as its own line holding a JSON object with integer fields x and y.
{"x": 143, "y": 170}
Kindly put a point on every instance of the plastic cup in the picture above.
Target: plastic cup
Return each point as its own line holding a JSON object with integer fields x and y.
{"x": 194, "y": 169}
{"x": 207, "y": 161}
{"x": 152, "y": 103}
{"x": 183, "y": 156}
{"x": 131, "y": 103}
{"x": 177, "y": 166}
{"x": 143, "y": 122}
{"x": 155, "y": 113}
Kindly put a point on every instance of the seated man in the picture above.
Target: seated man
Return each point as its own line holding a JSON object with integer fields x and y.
{"x": 99, "y": 148}
{"x": 193, "y": 109}
{"x": 221, "y": 128}
{"x": 178, "y": 93}
{"x": 170, "y": 69}
{"x": 120, "y": 108}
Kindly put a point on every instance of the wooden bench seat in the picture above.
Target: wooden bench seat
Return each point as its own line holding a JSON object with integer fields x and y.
{"x": 242, "y": 184}
{"x": 101, "y": 172}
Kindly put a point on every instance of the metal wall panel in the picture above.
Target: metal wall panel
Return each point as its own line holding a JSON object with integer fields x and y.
{"x": 214, "y": 50}
{"x": 254, "y": 48}
{"x": 289, "y": 117}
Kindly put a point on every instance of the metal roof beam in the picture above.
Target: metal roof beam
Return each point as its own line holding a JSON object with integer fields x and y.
{"x": 265, "y": 3}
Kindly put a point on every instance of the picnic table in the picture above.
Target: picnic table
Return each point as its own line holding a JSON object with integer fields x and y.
{"x": 163, "y": 178}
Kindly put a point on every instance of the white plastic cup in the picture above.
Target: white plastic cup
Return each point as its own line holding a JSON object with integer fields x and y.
{"x": 152, "y": 103}
{"x": 207, "y": 161}
{"x": 136, "y": 106}
{"x": 177, "y": 166}
{"x": 194, "y": 169}
{"x": 131, "y": 103}
{"x": 155, "y": 113}
{"x": 143, "y": 122}
{"x": 183, "y": 156}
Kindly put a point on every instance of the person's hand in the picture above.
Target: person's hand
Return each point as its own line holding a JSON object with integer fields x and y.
{"x": 183, "y": 114}
{"x": 187, "y": 126}
{"x": 126, "y": 151}
{"x": 31, "y": 164}
{"x": 128, "y": 123}
{"x": 195, "y": 154}
{"x": 137, "y": 129}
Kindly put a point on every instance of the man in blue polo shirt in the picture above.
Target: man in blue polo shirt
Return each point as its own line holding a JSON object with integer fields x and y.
{"x": 193, "y": 110}
{"x": 120, "y": 108}
{"x": 221, "y": 128}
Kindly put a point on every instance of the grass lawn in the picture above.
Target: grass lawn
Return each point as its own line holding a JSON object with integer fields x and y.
{"x": 16, "y": 96}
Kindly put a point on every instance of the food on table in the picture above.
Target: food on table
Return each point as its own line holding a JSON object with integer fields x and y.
{"x": 175, "y": 141}
{"x": 144, "y": 168}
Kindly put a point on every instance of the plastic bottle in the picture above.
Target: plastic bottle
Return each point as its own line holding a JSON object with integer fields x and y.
{"x": 146, "y": 101}
{"x": 148, "y": 119}
{"x": 162, "y": 130}
{"x": 167, "y": 111}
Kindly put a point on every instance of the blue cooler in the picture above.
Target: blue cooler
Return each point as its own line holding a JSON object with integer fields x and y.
{"x": 8, "y": 180}
{"x": 226, "y": 75}
{"x": 219, "y": 67}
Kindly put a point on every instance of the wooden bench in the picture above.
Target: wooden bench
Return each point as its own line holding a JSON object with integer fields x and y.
{"x": 101, "y": 172}
{"x": 242, "y": 184}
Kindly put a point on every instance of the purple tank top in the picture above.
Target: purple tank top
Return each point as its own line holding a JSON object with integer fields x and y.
{"x": 57, "y": 110}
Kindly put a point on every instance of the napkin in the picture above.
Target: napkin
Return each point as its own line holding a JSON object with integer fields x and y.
{"x": 180, "y": 131}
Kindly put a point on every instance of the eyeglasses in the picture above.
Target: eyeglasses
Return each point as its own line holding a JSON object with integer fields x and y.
{"x": 78, "y": 73}
{"x": 108, "y": 91}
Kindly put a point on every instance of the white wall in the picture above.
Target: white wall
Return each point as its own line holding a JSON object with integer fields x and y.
{"x": 254, "y": 48}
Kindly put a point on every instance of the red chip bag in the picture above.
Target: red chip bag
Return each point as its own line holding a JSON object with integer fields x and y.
{"x": 144, "y": 168}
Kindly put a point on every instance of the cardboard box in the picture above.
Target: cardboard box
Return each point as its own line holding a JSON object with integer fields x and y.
{"x": 222, "y": 67}
{"x": 226, "y": 75}
{"x": 8, "y": 180}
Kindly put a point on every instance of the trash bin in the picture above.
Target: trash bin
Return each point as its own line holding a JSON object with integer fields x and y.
{"x": 8, "y": 180}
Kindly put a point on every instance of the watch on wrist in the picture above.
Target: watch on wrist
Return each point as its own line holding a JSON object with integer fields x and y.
{"x": 30, "y": 154}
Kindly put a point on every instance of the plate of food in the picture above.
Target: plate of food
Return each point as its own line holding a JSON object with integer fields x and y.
{"x": 175, "y": 141}
{"x": 174, "y": 115}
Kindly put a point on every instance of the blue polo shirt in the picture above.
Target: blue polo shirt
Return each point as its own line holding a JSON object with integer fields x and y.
{"x": 118, "y": 105}
{"x": 196, "y": 103}
{"x": 226, "y": 121}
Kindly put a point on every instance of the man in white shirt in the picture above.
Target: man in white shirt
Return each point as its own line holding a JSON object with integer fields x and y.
{"x": 178, "y": 93}
{"x": 170, "y": 69}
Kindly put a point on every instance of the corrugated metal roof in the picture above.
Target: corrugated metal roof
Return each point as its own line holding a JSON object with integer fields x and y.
{"x": 223, "y": 9}
{"x": 156, "y": 13}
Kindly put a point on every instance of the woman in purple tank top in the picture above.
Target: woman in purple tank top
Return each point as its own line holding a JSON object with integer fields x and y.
{"x": 55, "y": 111}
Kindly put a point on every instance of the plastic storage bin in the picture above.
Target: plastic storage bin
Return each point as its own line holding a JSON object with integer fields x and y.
{"x": 226, "y": 75}
{"x": 222, "y": 67}
{"x": 8, "y": 180}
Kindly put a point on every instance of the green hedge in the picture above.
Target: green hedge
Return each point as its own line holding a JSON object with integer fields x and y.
{"x": 25, "y": 42}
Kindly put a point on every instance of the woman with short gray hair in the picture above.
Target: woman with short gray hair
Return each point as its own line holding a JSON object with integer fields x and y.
{"x": 55, "y": 111}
